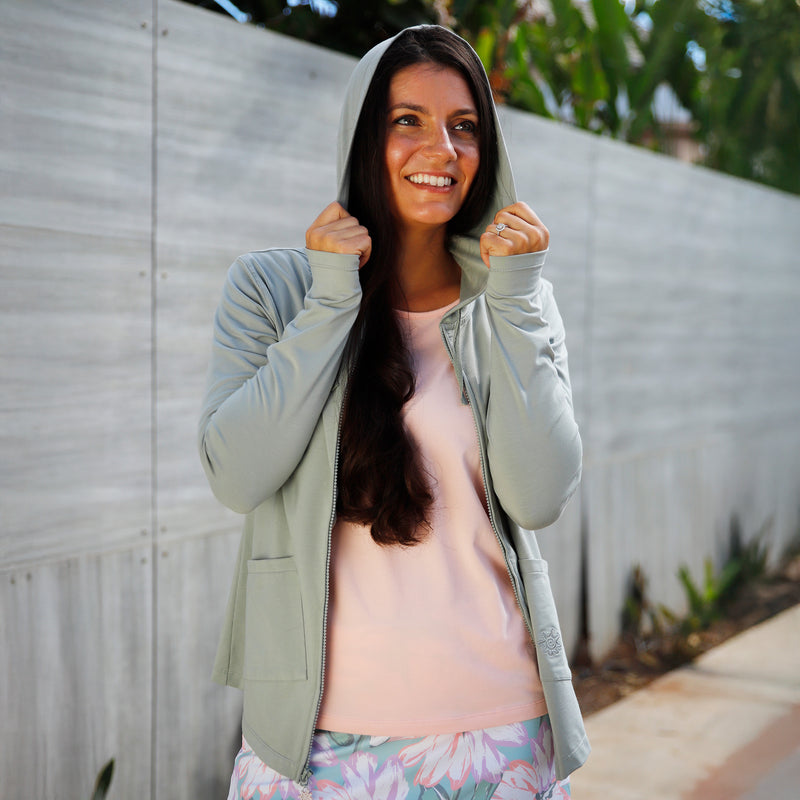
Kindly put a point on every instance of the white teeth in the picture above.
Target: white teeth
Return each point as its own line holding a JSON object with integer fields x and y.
{"x": 432, "y": 180}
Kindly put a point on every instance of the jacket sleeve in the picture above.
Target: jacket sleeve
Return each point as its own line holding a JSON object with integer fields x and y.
{"x": 533, "y": 445}
{"x": 267, "y": 384}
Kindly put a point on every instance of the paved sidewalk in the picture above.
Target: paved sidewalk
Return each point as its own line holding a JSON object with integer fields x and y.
{"x": 726, "y": 727}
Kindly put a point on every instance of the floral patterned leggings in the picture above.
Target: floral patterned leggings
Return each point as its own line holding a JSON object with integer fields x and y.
{"x": 508, "y": 762}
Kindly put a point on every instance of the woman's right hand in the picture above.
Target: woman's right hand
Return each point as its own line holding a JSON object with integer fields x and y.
{"x": 336, "y": 231}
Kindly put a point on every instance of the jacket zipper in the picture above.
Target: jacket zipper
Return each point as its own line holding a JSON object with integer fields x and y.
{"x": 305, "y": 792}
{"x": 467, "y": 390}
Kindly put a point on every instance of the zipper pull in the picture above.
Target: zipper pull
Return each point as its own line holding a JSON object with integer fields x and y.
{"x": 305, "y": 792}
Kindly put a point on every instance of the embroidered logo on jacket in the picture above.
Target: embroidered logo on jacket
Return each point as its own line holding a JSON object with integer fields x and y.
{"x": 550, "y": 641}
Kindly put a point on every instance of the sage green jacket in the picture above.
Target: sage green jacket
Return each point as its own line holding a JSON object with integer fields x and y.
{"x": 268, "y": 441}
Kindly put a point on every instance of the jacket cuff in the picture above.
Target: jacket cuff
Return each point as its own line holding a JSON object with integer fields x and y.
{"x": 512, "y": 276}
{"x": 333, "y": 274}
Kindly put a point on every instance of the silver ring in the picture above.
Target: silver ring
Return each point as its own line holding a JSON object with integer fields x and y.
{"x": 500, "y": 227}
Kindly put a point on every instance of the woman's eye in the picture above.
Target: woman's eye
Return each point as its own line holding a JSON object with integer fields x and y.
{"x": 466, "y": 126}
{"x": 406, "y": 119}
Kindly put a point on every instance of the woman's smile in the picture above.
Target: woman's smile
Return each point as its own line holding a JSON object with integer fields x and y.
{"x": 425, "y": 179}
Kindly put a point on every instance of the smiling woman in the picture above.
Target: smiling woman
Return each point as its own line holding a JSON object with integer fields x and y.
{"x": 392, "y": 409}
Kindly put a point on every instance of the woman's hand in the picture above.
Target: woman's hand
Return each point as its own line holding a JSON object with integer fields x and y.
{"x": 336, "y": 231}
{"x": 515, "y": 230}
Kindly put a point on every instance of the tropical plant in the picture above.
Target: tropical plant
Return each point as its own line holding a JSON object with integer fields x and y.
{"x": 747, "y": 98}
{"x": 706, "y": 600}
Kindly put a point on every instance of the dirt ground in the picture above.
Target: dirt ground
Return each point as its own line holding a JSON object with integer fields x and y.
{"x": 635, "y": 662}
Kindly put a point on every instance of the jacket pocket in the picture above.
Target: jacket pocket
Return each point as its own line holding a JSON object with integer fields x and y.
{"x": 275, "y": 648}
{"x": 551, "y": 656}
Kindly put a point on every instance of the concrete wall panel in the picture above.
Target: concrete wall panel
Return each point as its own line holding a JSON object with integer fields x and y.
{"x": 76, "y": 512}
{"x": 658, "y": 369}
{"x": 198, "y": 723}
{"x": 75, "y": 324}
{"x": 76, "y": 97}
{"x": 75, "y": 410}
{"x": 246, "y": 138}
{"x": 76, "y": 657}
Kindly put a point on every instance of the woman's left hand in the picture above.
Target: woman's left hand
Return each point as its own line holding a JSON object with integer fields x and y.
{"x": 516, "y": 229}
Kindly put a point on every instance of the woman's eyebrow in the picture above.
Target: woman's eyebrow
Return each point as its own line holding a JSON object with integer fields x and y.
{"x": 423, "y": 110}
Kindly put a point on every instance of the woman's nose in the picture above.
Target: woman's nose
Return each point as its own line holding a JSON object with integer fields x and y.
{"x": 441, "y": 144}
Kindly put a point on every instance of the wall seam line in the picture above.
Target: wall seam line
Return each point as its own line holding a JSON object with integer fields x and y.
{"x": 585, "y": 622}
{"x": 154, "y": 408}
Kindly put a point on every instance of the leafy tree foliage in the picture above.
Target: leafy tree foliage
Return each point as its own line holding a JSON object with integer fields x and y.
{"x": 746, "y": 97}
{"x": 733, "y": 64}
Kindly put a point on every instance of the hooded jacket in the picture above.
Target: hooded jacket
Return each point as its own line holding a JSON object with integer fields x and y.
{"x": 269, "y": 443}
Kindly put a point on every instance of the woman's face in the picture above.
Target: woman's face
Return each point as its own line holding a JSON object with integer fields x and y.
{"x": 432, "y": 153}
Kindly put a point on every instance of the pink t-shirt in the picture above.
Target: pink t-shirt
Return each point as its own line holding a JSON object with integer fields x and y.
{"x": 429, "y": 639}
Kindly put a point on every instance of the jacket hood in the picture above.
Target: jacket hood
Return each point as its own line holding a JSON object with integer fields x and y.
{"x": 466, "y": 247}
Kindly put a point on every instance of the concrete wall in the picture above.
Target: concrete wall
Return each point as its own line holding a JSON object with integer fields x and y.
{"x": 143, "y": 145}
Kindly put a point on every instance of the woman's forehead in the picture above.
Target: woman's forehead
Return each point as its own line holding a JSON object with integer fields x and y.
{"x": 434, "y": 82}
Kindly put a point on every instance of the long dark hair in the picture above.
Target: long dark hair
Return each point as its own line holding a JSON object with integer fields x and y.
{"x": 382, "y": 483}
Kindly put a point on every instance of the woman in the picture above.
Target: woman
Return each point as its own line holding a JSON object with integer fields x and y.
{"x": 391, "y": 409}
